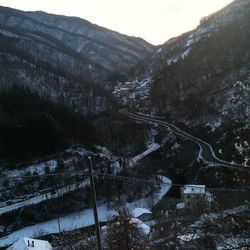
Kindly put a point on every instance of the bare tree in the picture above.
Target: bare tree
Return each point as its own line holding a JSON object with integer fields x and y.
{"x": 123, "y": 234}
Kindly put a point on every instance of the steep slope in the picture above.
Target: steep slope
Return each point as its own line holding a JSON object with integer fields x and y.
{"x": 202, "y": 79}
{"x": 65, "y": 57}
{"x": 206, "y": 72}
{"x": 27, "y": 65}
{"x": 33, "y": 127}
{"x": 99, "y": 47}
{"x": 179, "y": 47}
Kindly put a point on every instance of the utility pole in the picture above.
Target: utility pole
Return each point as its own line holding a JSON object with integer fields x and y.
{"x": 58, "y": 218}
{"x": 92, "y": 183}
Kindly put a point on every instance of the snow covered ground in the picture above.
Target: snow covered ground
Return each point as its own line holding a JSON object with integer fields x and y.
{"x": 80, "y": 219}
{"x": 55, "y": 193}
{"x": 70, "y": 222}
{"x": 84, "y": 218}
{"x": 213, "y": 217}
{"x": 132, "y": 162}
{"x": 38, "y": 169}
{"x": 152, "y": 200}
{"x": 165, "y": 186}
{"x": 151, "y": 149}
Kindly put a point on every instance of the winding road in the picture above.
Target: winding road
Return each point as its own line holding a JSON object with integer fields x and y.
{"x": 206, "y": 153}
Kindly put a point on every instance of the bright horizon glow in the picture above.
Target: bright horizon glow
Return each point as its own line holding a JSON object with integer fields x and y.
{"x": 156, "y": 21}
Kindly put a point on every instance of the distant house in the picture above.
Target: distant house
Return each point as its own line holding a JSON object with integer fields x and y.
{"x": 30, "y": 244}
{"x": 142, "y": 214}
{"x": 193, "y": 196}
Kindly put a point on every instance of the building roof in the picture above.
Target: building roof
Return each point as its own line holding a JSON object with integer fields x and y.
{"x": 136, "y": 212}
{"x": 194, "y": 189}
{"x": 180, "y": 205}
{"x": 30, "y": 244}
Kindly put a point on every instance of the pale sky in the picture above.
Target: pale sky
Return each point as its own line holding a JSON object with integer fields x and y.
{"x": 154, "y": 20}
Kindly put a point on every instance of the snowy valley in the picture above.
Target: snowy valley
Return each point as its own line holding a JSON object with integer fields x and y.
{"x": 165, "y": 129}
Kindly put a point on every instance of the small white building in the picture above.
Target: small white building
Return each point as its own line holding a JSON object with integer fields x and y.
{"x": 142, "y": 214}
{"x": 30, "y": 244}
{"x": 194, "y": 189}
{"x": 193, "y": 196}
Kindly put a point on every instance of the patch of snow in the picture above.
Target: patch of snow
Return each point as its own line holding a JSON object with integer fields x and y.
{"x": 104, "y": 152}
{"x": 159, "y": 51}
{"x": 172, "y": 60}
{"x": 242, "y": 148}
{"x": 166, "y": 185}
{"x": 214, "y": 124}
{"x": 209, "y": 197}
{"x": 246, "y": 161}
{"x": 234, "y": 243}
{"x": 138, "y": 211}
{"x": 212, "y": 217}
{"x": 38, "y": 169}
{"x": 81, "y": 151}
{"x": 145, "y": 228}
{"x": 151, "y": 149}
{"x": 151, "y": 200}
{"x": 180, "y": 205}
{"x": 185, "y": 53}
{"x": 242, "y": 85}
{"x": 175, "y": 146}
{"x": 190, "y": 40}
{"x": 151, "y": 137}
{"x": 187, "y": 237}
{"x": 116, "y": 167}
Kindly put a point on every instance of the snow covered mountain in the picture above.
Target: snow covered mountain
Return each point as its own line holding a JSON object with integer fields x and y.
{"x": 201, "y": 79}
{"x": 67, "y": 57}
{"x": 198, "y": 81}
{"x": 178, "y": 48}
{"x": 97, "y": 47}
{"x": 204, "y": 74}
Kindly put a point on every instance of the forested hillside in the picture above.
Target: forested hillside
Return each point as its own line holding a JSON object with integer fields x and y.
{"x": 66, "y": 57}
{"x": 32, "y": 126}
{"x": 209, "y": 80}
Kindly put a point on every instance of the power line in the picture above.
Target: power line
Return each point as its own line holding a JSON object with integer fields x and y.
{"x": 124, "y": 178}
{"x": 140, "y": 180}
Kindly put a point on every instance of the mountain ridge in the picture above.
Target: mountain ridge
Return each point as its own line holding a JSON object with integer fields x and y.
{"x": 67, "y": 57}
{"x": 62, "y": 27}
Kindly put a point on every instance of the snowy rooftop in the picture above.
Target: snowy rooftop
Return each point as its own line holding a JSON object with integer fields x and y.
{"x": 28, "y": 243}
{"x": 136, "y": 212}
{"x": 194, "y": 189}
{"x": 180, "y": 205}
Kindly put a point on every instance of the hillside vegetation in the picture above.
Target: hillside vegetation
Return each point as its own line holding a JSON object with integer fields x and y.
{"x": 32, "y": 126}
